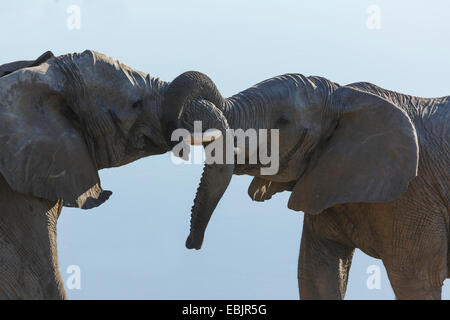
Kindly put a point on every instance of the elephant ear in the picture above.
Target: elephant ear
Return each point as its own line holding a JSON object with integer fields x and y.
{"x": 8, "y": 68}
{"x": 41, "y": 152}
{"x": 370, "y": 157}
{"x": 261, "y": 189}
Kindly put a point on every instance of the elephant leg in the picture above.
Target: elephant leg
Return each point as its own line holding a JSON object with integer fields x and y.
{"x": 323, "y": 267}
{"x": 28, "y": 255}
{"x": 406, "y": 288}
{"x": 418, "y": 282}
{"x": 417, "y": 266}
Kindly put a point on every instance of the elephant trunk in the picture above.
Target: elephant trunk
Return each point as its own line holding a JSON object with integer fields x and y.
{"x": 181, "y": 91}
{"x": 216, "y": 174}
{"x": 214, "y": 182}
{"x": 193, "y": 96}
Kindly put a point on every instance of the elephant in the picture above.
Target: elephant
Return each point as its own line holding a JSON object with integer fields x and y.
{"x": 62, "y": 119}
{"x": 369, "y": 167}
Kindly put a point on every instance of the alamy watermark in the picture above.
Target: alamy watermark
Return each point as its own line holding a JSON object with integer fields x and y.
{"x": 73, "y": 21}
{"x": 374, "y": 280}
{"x": 373, "y": 21}
{"x": 73, "y": 281}
{"x": 235, "y": 147}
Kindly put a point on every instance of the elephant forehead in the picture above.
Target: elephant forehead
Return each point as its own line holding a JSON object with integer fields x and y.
{"x": 100, "y": 68}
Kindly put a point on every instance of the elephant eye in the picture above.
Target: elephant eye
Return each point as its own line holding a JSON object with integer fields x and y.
{"x": 137, "y": 104}
{"x": 282, "y": 121}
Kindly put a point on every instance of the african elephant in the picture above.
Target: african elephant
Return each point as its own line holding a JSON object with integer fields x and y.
{"x": 63, "y": 119}
{"x": 369, "y": 167}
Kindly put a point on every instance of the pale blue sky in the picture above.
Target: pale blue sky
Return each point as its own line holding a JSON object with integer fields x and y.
{"x": 132, "y": 247}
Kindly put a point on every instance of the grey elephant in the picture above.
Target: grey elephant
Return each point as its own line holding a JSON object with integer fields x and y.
{"x": 63, "y": 119}
{"x": 369, "y": 167}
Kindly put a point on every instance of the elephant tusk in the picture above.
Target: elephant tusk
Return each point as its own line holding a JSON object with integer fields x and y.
{"x": 211, "y": 135}
{"x": 197, "y": 139}
{"x": 193, "y": 140}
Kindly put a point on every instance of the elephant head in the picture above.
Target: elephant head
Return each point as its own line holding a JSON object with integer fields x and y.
{"x": 66, "y": 117}
{"x": 336, "y": 144}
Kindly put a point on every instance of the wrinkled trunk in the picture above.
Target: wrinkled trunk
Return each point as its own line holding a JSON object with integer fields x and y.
{"x": 181, "y": 107}
{"x": 214, "y": 182}
{"x": 215, "y": 177}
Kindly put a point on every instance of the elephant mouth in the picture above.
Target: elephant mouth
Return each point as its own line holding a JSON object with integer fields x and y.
{"x": 145, "y": 146}
{"x": 151, "y": 147}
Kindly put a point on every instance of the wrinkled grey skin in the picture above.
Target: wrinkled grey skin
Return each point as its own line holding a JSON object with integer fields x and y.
{"x": 369, "y": 167}
{"x": 62, "y": 119}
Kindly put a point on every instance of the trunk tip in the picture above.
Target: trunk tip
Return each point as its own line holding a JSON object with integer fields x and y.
{"x": 191, "y": 243}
